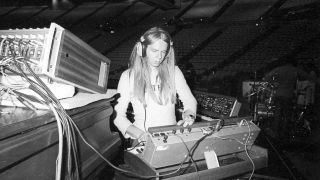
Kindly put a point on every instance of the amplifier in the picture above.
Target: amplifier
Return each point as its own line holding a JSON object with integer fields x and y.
{"x": 216, "y": 105}
{"x": 56, "y": 53}
{"x": 170, "y": 145}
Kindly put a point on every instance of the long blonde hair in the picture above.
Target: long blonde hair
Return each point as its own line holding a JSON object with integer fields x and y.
{"x": 140, "y": 69}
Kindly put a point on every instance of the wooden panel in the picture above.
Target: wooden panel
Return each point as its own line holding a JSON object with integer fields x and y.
{"x": 32, "y": 153}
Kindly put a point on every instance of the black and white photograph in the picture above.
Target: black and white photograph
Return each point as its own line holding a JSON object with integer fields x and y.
{"x": 160, "y": 89}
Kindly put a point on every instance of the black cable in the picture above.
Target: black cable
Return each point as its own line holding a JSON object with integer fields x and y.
{"x": 189, "y": 153}
{"x": 72, "y": 157}
{"x": 145, "y": 117}
{"x": 132, "y": 148}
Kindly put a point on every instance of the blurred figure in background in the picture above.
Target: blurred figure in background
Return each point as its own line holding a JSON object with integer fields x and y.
{"x": 284, "y": 73}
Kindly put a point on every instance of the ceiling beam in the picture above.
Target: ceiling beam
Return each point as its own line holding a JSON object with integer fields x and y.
{"x": 114, "y": 17}
{"x": 89, "y": 15}
{"x": 202, "y": 45}
{"x": 27, "y": 19}
{"x": 273, "y": 9}
{"x": 216, "y": 34}
{"x": 162, "y": 4}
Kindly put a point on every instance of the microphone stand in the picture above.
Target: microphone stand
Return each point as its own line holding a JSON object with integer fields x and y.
{"x": 255, "y": 101}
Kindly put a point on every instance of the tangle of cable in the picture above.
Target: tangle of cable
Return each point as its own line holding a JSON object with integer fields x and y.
{"x": 65, "y": 129}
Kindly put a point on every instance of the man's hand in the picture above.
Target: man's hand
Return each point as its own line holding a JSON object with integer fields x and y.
{"x": 188, "y": 118}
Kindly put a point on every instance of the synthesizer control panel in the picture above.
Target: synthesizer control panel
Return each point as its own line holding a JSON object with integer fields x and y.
{"x": 26, "y": 43}
{"x": 56, "y": 53}
{"x": 170, "y": 145}
{"x": 216, "y": 105}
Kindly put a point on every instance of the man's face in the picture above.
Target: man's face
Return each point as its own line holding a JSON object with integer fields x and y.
{"x": 156, "y": 52}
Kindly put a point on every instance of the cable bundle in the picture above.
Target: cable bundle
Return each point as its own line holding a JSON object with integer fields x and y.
{"x": 66, "y": 126}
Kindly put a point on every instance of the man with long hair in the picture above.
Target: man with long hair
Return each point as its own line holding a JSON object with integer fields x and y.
{"x": 151, "y": 84}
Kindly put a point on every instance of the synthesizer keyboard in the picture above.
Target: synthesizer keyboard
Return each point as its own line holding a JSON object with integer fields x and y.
{"x": 170, "y": 145}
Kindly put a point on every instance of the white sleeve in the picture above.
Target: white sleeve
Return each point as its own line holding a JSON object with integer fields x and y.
{"x": 184, "y": 92}
{"x": 121, "y": 121}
